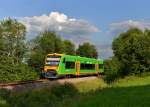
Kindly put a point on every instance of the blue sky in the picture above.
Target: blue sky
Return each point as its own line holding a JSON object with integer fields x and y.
{"x": 109, "y": 16}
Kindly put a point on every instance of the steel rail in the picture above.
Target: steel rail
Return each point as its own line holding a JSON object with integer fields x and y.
{"x": 2, "y": 85}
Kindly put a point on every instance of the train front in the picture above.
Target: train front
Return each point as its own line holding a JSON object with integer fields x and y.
{"x": 51, "y": 66}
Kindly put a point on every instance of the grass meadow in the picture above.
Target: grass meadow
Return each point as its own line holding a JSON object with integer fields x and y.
{"x": 128, "y": 92}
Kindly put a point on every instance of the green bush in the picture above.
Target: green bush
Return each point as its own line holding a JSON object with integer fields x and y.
{"x": 4, "y": 94}
{"x": 112, "y": 70}
{"x": 67, "y": 90}
{"x": 53, "y": 97}
{"x": 132, "y": 50}
{"x": 16, "y": 72}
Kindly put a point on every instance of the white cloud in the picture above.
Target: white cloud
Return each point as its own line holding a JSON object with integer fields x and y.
{"x": 59, "y": 23}
{"x": 116, "y": 28}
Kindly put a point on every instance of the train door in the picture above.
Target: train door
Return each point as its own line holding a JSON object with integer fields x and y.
{"x": 77, "y": 68}
{"x": 97, "y": 67}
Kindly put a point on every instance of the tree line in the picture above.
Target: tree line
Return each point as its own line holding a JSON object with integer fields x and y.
{"x": 131, "y": 51}
{"x": 50, "y": 42}
{"x": 21, "y": 59}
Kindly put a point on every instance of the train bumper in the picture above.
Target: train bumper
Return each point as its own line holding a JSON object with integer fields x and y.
{"x": 50, "y": 74}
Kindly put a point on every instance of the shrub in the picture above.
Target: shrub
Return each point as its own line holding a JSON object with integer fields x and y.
{"x": 112, "y": 70}
{"x": 54, "y": 97}
{"x": 16, "y": 72}
{"x": 132, "y": 50}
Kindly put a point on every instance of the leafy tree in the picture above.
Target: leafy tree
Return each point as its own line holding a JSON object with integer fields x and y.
{"x": 9, "y": 72}
{"x": 1, "y": 45}
{"x": 12, "y": 36}
{"x": 112, "y": 69}
{"x": 12, "y": 50}
{"x": 50, "y": 42}
{"x": 69, "y": 47}
{"x": 132, "y": 50}
{"x": 46, "y": 42}
{"x": 87, "y": 50}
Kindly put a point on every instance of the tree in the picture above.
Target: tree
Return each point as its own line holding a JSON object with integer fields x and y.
{"x": 87, "y": 50}
{"x": 132, "y": 50}
{"x": 12, "y": 36}
{"x": 12, "y": 51}
{"x": 1, "y": 45}
{"x": 46, "y": 42}
{"x": 69, "y": 47}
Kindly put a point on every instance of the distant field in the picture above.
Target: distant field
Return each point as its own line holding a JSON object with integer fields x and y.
{"x": 128, "y": 92}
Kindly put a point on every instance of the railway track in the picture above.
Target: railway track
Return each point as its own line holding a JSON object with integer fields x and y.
{"x": 37, "y": 83}
{"x": 13, "y": 84}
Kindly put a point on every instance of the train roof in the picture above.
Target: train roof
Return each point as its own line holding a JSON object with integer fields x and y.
{"x": 82, "y": 59}
{"x": 73, "y": 58}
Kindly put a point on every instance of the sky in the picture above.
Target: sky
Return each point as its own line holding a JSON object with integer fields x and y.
{"x": 95, "y": 21}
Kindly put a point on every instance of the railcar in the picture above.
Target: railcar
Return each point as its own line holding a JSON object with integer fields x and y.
{"x": 60, "y": 65}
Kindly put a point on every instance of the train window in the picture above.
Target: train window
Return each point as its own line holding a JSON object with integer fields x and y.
{"x": 82, "y": 66}
{"x": 64, "y": 60}
{"x": 90, "y": 66}
{"x": 101, "y": 66}
{"x": 53, "y": 56}
{"x": 87, "y": 66}
{"x": 70, "y": 65}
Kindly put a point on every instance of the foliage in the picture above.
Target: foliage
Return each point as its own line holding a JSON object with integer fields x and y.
{"x": 36, "y": 60}
{"x": 44, "y": 97}
{"x": 69, "y": 47}
{"x": 132, "y": 50}
{"x": 112, "y": 69}
{"x": 48, "y": 42}
{"x": 12, "y": 51}
{"x": 12, "y": 37}
{"x": 16, "y": 72}
{"x": 87, "y": 50}
{"x": 125, "y": 93}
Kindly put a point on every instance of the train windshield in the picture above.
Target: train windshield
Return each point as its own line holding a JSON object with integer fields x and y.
{"x": 52, "y": 60}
